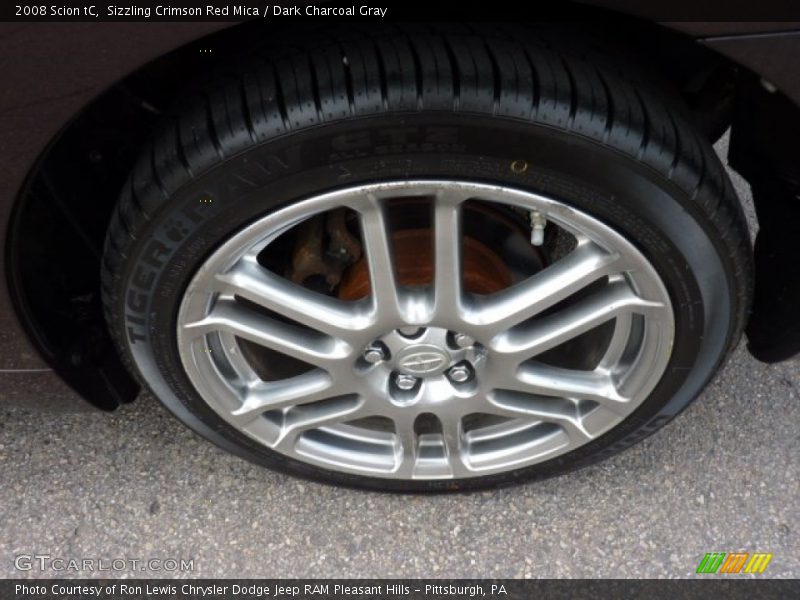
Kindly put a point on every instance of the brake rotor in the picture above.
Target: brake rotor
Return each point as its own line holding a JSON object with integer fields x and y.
{"x": 484, "y": 271}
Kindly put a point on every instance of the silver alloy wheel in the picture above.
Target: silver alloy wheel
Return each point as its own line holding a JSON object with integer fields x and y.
{"x": 467, "y": 354}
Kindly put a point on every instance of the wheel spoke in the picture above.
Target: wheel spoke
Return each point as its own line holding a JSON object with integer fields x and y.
{"x": 241, "y": 321}
{"x": 455, "y": 447}
{"x": 448, "y": 269}
{"x": 407, "y": 442}
{"x": 273, "y": 395}
{"x": 546, "y": 380}
{"x": 584, "y": 315}
{"x": 562, "y": 412}
{"x": 584, "y": 265}
{"x": 619, "y": 341}
{"x": 378, "y": 250}
{"x": 300, "y": 419}
{"x": 253, "y": 282}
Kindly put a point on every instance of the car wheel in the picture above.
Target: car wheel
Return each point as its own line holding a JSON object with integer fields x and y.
{"x": 427, "y": 261}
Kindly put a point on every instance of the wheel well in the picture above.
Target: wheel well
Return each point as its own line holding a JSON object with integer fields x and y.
{"x": 60, "y": 218}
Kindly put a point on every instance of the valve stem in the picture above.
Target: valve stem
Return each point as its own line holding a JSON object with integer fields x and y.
{"x": 538, "y": 223}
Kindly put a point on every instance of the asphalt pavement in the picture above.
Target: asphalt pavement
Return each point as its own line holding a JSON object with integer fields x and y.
{"x": 137, "y": 484}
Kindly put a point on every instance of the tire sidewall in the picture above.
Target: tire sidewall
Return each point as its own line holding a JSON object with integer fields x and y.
{"x": 638, "y": 202}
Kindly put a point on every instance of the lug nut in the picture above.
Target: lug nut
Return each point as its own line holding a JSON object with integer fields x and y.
{"x": 463, "y": 341}
{"x": 405, "y": 382}
{"x": 373, "y": 354}
{"x": 459, "y": 373}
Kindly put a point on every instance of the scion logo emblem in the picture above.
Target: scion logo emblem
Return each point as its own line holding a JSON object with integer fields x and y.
{"x": 422, "y": 360}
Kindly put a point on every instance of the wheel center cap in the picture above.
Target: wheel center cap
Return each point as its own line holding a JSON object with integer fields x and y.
{"x": 423, "y": 360}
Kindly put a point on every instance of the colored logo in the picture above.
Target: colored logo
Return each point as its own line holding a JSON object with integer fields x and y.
{"x": 734, "y": 562}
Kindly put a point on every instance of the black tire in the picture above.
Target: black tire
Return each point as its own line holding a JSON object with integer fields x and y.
{"x": 464, "y": 105}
